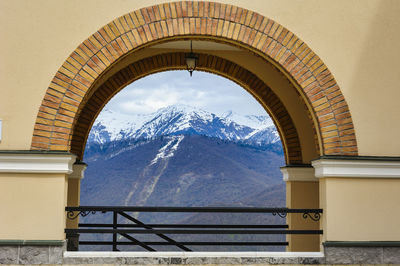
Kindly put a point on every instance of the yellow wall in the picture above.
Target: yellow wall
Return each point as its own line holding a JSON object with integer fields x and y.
{"x": 360, "y": 209}
{"x": 32, "y": 206}
{"x": 357, "y": 40}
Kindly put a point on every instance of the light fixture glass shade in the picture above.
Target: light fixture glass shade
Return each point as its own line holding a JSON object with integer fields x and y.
{"x": 191, "y": 63}
{"x": 191, "y": 60}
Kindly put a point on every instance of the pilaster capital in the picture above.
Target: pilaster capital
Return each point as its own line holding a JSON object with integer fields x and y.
{"x": 36, "y": 162}
{"x": 299, "y": 173}
{"x": 357, "y": 167}
{"x": 78, "y": 170}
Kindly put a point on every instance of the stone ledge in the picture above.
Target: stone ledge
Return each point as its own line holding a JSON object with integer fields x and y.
{"x": 192, "y": 261}
{"x": 193, "y": 258}
{"x": 72, "y": 254}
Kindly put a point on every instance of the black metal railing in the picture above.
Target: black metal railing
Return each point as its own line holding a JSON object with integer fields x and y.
{"x": 164, "y": 231}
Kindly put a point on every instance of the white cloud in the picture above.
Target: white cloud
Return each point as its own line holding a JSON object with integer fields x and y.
{"x": 207, "y": 91}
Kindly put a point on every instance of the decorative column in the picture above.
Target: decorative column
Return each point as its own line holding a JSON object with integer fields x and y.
{"x": 302, "y": 192}
{"x": 360, "y": 196}
{"x": 74, "y": 189}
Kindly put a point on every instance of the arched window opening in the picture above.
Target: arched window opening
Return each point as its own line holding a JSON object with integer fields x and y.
{"x": 169, "y": 139}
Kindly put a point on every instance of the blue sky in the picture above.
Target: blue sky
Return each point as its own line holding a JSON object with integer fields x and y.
{"x": 203, "y": 90}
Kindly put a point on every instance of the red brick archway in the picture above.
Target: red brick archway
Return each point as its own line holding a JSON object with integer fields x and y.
{"x": 73, "y": 85}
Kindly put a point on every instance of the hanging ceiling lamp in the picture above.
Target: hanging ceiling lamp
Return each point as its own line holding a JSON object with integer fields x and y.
{"x": 191, "y": 60}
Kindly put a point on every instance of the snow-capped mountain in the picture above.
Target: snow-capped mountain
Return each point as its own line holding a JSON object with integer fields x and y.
{"x": 110, "y": 126}
{"x": 184, "y": 156}
{"x": 183, "y": 119}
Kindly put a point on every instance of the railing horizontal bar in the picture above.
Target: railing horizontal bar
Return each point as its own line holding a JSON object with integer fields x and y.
{"x": 172, "y": 231}
{"x": 188, "y": 243}
{"x": 191, "y": 209}
{"x": 189, "y": 225}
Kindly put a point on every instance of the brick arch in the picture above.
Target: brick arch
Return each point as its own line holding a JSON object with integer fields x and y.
{"x": 176, "y": 61}
{"x": 66, "y": 96}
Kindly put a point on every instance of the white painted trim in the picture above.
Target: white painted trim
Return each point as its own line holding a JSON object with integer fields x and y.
{"x": 36, "y": 163}
{"x": 78, "y": 171}
{"x": 183, "y": 254}
{"x": 305, "y": 174}
{"x": 356, "y": 168}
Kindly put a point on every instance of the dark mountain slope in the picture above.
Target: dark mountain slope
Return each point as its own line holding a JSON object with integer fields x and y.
{"x": 200, "y": 172}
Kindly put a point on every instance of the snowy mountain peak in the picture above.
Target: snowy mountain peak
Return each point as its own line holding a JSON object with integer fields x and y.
{"x": 181, "y": 119}
{"x": 180, "y": 108}
{"x": 186, "y": 110}
{"x": 253, "y": 121}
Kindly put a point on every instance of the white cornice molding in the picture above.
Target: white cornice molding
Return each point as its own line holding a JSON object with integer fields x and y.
{"x": 305, "y": 174}
{"x": 36, "y": 163}
{"x": 356, "y": 168}
{"x": 78, "y": 171}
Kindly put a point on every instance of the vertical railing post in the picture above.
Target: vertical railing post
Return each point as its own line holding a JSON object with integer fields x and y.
{"x": 115, "y": 221}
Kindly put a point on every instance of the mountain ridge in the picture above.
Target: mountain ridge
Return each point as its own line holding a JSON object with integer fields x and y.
{"x": 183, "y": 119}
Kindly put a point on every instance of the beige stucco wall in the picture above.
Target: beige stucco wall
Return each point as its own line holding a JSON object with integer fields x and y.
{"x": 360, "y": 209}
{"x": 32, "y": 206}
{"x": 357, "y": 40}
